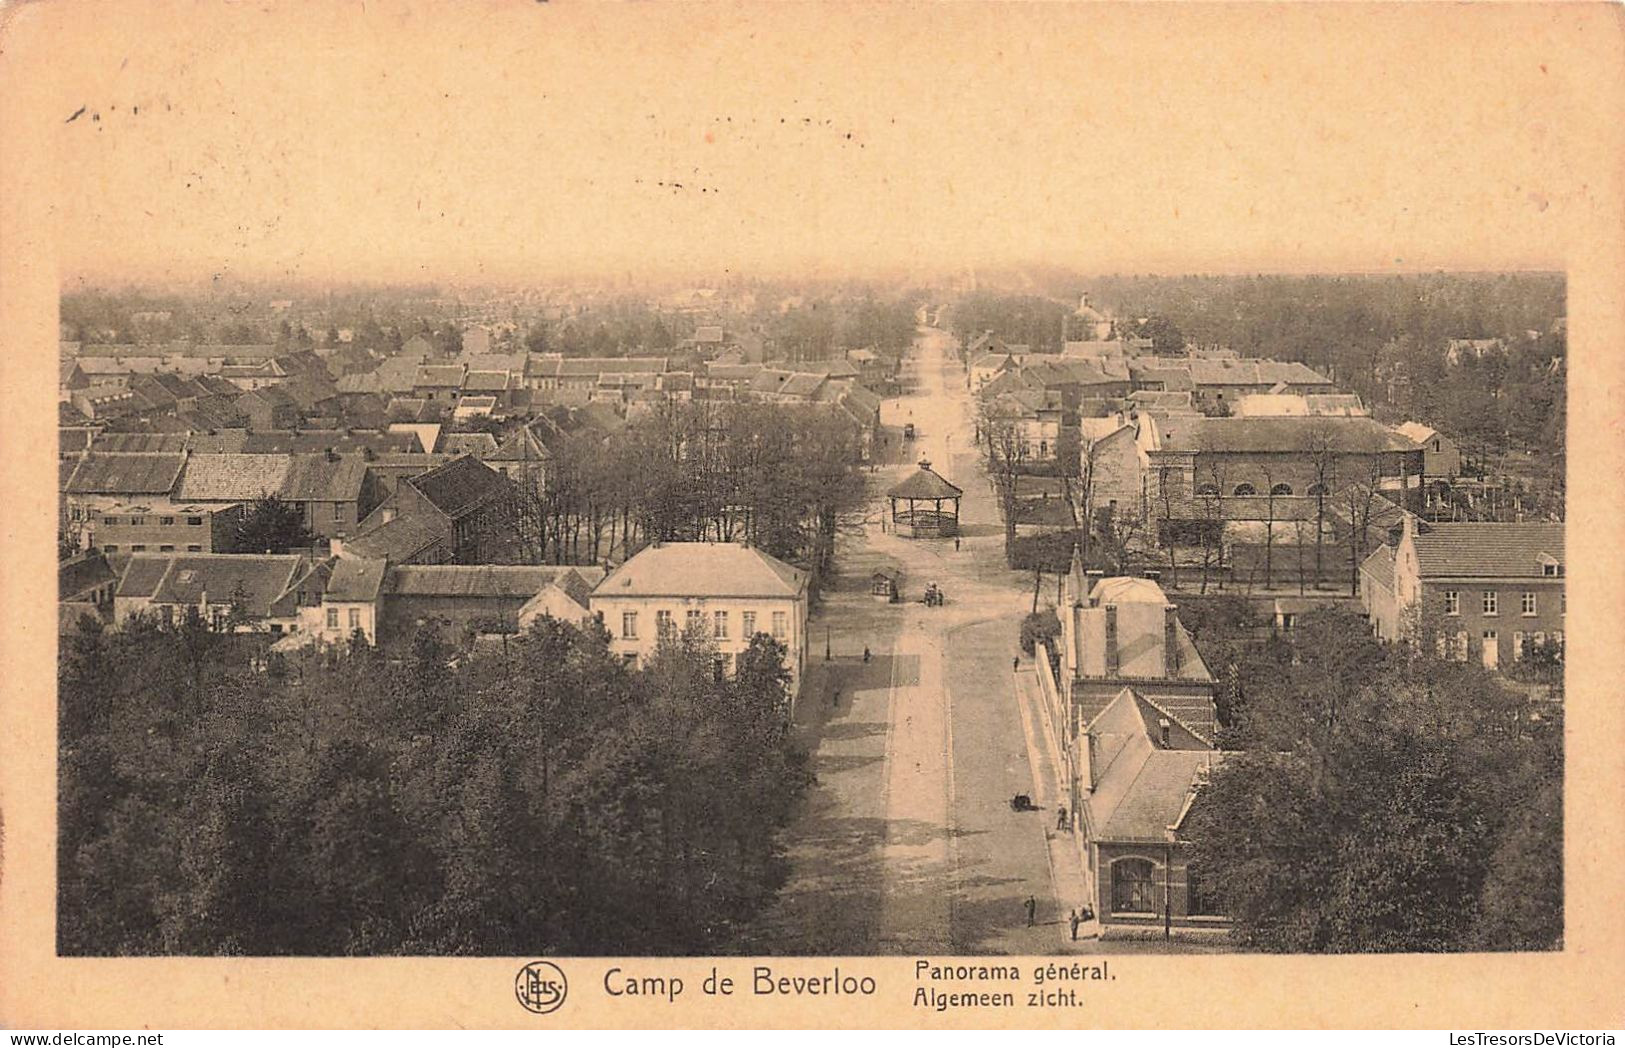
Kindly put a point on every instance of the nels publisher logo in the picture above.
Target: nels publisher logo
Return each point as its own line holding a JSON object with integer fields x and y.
{"x": 540, "y": 987}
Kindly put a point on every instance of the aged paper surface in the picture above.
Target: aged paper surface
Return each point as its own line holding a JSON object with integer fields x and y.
{"x": 400, "y": 142}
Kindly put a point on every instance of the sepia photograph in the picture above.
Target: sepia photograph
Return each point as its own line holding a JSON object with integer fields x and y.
{"x": 566, "y": 481}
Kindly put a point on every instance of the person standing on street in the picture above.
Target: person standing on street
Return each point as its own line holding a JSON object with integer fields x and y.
{"x": 1060, "y": 819}
{"x": 1076, "y": 920}
{"x": 1032, "y": 911}
{"x": 1015, "y": 664}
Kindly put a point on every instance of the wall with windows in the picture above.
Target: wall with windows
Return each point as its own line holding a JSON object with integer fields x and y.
{"x": 635, "y": 624}
{"x": 1148, "y": 886}
{"x": 1494, "y": 621}
{"x": 163, "y": 528}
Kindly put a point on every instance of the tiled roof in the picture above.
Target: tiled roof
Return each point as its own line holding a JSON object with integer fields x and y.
{"x": 125, "y": 474}
{"x": 233, "y": 477}
{"x": 1487, "y": 550}
{"x": 83, "y": 572}
{"x": 141, "y": 576}
{"x": 355, "y": 579}
{"x": 1120, "y": 589}
{"x": 459, "y": 485}
{"x": 1416, "y": 431}
{"x": 1355, "y": 435}
{"x": 157, "y": 443}
{"x": 470, "y": 580}
{"x": 924, "y": 483}
{"x": 318, "y": 478}
{"x": 702, "y": 569}
{"x": 262, "y": 578}
{"x": 480, "y": 445}
{"x": 486, "y": 381}
{"x": 802, "y": 384}
{"x": 398, "y": 540}
{"x": 439, "y": 376}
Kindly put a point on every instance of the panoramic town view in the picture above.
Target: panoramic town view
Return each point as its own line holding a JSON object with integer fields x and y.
{"x": 995, "y": 611}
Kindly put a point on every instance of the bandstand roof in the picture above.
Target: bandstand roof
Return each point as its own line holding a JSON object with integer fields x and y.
{"x": 924, "y": 483}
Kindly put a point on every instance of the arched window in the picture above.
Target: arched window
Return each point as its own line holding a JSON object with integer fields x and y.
{"x": 1133, "y": 887}
{"x": 1246, "y": 489}
{"x": 1281, "y": 489}
{"x": 1207, "y": 489}
{"x": 1318, "y": 489}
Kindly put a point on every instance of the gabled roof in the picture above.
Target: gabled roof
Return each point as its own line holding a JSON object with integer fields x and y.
{"x": 398, "y": 540}
{"x": 1122, "y": 589}
{"x": 84, "y": 572}
{"x": 458, "y": 486}
{"x": 355, "y": 579}
{"x": 1416, "y": 431}
{"x": 924, "y": 483}
{"x": 318, "y": 478}
{"x": 186, "y": 578}
{"x": 485, "y": 382}
{"x": 703, "y": 569}
{"x": 125, "y": 474}
{"x": 1487, "y": 550}
{"x": 439, "y": 376}
{"x": 1142, "y": 787}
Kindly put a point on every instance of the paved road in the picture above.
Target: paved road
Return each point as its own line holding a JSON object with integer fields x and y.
{"x": 907, "y": 844}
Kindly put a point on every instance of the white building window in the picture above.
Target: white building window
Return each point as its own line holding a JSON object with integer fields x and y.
{"x": 747, "y": 624}
{"x": 1452, "y": 602}
{"x": 332, "y": 618}
{"x": 694, "y": 621}
{"x": 355, "y": 618}
{"x": 663, "y": 620}
{"x": 629, "y": 625}
{"x": 1491, "y": 603}
{"x": 719, "y": 625}
{"x": 1529, "y": 602}
{"x": 1517, "y": 646}
{"x": 781, "y": 625}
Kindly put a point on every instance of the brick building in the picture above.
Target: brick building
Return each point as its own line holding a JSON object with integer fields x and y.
{"x": 1491, "y": 591}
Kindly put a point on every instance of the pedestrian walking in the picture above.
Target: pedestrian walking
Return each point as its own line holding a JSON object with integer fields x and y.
{"x": 866, "y": 653}
{"x": 956, "y": 543}
{"x": 1060, "y": 819}
{"x": 1015, "y": 664}
{"x": 1076, "y": 920}
{"x": 1032, "y": 911}
{"x": 834, "y": 697}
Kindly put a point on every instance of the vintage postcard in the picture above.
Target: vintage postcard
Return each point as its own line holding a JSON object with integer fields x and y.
{"x": 796, "y": 515}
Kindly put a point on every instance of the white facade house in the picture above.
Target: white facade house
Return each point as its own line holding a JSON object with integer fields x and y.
{"x": 728, "y": 590}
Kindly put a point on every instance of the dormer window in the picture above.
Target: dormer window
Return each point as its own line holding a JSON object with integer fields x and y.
{"x": 1549, "y": 566}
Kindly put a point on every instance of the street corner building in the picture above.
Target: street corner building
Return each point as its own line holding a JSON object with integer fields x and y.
{"x": 727, "y": 591}
{"x": 1132, "y": 702}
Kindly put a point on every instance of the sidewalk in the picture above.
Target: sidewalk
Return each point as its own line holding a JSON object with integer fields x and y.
{"x": 1066, "y": 860}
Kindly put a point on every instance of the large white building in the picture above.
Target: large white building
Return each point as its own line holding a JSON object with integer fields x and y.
{"x": 728, "y": 590}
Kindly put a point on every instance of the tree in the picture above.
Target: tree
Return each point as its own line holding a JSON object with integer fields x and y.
{"x": 272, "y": 526}
{"x": 1380, "y": 801}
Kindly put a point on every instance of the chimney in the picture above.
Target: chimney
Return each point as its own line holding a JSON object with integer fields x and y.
{"x": 1164, "y": 728}
{"x": 1111, "y": 640}
{"x": 1170, "y": 641}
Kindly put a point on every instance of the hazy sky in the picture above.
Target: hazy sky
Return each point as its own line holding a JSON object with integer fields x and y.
{"x": 388, "y": 141}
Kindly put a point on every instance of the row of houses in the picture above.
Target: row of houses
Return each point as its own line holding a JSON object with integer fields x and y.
{"x": 724, "y": 593}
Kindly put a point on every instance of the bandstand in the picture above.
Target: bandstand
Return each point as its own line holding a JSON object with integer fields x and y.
{"x": 924, "y": 494}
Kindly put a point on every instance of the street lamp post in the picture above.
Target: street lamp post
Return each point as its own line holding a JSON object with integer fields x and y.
{"x": 826, "y": 642}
